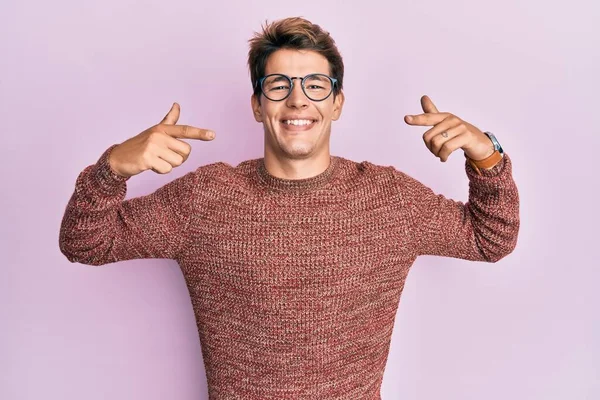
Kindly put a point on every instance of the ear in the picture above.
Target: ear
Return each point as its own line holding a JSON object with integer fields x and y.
{"x": 338, "y": 104}
{"x": 254, "y": 103}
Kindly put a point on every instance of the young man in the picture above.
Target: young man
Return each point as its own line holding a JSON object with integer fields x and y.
{"x": 294, "y": 262}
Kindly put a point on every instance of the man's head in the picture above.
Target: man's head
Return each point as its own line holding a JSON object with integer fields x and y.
{"x": 297, "y": 122}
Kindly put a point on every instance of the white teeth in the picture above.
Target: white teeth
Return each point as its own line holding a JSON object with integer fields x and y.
{"x": 298, "y": 122}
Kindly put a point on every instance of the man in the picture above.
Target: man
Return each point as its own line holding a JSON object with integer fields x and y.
{"x": 295, "y": 262}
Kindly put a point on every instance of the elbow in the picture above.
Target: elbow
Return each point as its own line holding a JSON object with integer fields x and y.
{"x": 499, "y": 246}
{"x": 84, "y": 245}
{"x": 75, "y": 258}
{"x": 500, "y": 252}
{"x": 80, "y": 254}
{"x": 80, "y": 257}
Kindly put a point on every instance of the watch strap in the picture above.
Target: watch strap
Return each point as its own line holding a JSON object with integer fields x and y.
{"x": 486, "y": 163}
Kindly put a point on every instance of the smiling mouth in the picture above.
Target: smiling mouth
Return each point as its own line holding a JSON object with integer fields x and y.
{"x": 298, "y": 122}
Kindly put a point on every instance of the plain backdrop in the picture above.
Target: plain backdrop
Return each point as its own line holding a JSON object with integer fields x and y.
{"x": 78, "y": 76}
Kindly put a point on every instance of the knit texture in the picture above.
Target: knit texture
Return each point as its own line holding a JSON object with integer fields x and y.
{"x": 295, "y": 284}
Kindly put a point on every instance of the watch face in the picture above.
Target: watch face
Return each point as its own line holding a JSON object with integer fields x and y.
{"x": 495, "y": 142}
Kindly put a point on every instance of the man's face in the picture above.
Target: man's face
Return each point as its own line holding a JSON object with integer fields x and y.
{"x": 297, "y": 140}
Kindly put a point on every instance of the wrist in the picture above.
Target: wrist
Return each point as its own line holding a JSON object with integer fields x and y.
{"x": 106, "y": 164}
{"x": 493, "y": 158}
{"x": 111, "y": 163}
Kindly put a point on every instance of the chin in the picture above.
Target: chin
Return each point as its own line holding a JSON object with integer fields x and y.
{"x": 297, "y": 151}
{"x": 295, "y": 148}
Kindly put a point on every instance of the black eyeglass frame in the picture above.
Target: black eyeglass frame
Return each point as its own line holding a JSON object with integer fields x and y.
{"x": 334, "y": 82}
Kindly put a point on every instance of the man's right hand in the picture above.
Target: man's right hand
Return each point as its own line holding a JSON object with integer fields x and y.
{"x": 157, "y": 148}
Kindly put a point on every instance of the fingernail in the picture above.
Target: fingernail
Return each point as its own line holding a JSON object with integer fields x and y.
{"x": 210, "y": 135}
{"x": 408, "y": 118}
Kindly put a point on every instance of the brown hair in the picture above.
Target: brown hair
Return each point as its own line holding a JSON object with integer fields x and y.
{"x": 292, "y": 33}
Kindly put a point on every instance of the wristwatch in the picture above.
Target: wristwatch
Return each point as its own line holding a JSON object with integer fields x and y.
{"x": 490, "y": 161}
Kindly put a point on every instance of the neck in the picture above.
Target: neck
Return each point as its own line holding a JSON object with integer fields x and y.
{"x": 287, "y": 168}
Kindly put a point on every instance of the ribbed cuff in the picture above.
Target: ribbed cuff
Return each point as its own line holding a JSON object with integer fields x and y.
{"x": 498, "y": 175}
{"x": 108, "y": 180}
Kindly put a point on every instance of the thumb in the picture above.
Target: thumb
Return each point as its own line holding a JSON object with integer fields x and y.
{"x": 428, "y": 105}
{"x": 172, "y": 116}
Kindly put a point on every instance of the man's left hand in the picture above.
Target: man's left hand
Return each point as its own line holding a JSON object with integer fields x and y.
{"x": 450, "y": 133}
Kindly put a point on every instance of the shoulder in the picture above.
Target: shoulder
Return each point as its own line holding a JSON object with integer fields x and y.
{"x": 375, "y": 173}
{"x": 384, "y": 179}
{"x": 223, "y": 179}
{"x": 222, "y": 171}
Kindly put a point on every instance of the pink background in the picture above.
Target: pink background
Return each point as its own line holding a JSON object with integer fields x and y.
{"x": 77, "y": 76}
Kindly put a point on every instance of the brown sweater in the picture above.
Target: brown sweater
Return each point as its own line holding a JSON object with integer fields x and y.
{"x": 294, "y": 283}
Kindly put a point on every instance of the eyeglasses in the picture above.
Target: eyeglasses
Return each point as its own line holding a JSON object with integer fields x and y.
{"x": 278, "y": 87}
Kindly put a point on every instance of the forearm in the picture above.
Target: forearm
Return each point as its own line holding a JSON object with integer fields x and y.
{"x": 87, "y": 232}
{"x": 494, "y": 210}
{"x": 483, "y": 229}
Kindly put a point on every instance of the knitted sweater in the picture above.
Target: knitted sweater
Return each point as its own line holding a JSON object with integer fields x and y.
{"x": 295, "y": 284}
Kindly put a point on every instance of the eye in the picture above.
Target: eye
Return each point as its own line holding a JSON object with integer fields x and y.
{"x": 280, "y": 87}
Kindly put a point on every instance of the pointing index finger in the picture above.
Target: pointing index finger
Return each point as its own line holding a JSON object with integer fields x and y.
{"x": 426, "y": 119}
{"x": 187, "y": 132}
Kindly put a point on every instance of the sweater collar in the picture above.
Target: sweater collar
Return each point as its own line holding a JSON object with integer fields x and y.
{"x": 282, "y": 184}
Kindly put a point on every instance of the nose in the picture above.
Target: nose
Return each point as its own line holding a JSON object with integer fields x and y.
{"x": 297, "y": 98}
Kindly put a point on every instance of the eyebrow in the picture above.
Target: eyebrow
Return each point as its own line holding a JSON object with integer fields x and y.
{"x": 318, "y": 77}
{"x": 272, "y": 79}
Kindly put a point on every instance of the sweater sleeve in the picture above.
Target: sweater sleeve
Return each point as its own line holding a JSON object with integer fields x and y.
{"x": 485, "y": 228}
{"x": 100, "y": 227}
